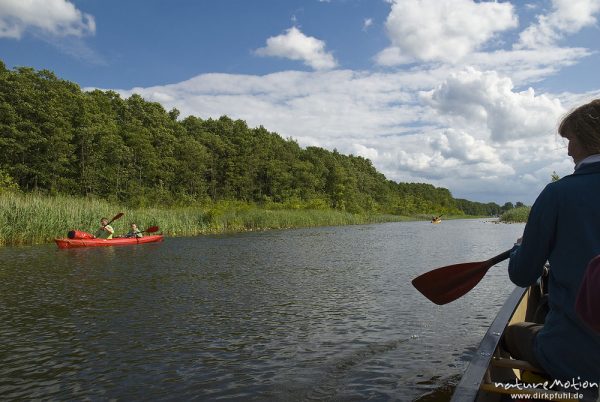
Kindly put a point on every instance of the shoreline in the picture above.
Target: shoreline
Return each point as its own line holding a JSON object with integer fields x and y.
{"x": 32, "y": 219}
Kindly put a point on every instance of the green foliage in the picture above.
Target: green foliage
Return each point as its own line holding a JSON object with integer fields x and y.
{"x": 57, "y": 139}
{"x": 507, "y": 206}
{"x": 7, "y": 184}
{"x": 554, "y": 177}
{"x": 519, "y": 214}
{"x": 478, "y": 208}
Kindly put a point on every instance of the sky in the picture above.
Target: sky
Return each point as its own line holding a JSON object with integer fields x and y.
{"x": 462, "y": 94}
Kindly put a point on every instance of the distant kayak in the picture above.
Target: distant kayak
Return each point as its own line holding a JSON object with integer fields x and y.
{"x": 120, "y": 241}
{"x": 436, "y": 219}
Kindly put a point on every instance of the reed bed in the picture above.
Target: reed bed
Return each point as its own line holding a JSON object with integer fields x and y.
{"x": 34, "y": 219}
{"x": 516, "y": 215}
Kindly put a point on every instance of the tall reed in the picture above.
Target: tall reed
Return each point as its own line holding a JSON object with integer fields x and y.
{"x": 33, "y": 218}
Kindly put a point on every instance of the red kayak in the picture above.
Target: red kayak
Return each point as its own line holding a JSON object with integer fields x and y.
{"x": 119, "y": 241}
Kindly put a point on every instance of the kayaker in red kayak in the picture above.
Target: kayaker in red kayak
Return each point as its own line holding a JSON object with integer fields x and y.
{"x": 134, "y": 231}
{"x": 105, "y": 231}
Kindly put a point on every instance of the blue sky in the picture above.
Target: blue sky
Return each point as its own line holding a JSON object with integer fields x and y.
{"x": 154, "y": 42}
{"x": 458, "y": 93}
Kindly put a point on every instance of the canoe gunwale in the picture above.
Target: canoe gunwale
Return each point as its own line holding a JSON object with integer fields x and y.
{"x": 472, "y": 379}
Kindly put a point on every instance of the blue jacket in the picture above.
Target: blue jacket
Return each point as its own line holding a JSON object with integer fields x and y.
{"x": 563, "y": 228}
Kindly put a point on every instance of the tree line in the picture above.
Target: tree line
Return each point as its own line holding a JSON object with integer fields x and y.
{"x": 57, "y": 139}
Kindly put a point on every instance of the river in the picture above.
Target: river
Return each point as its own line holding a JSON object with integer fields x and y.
{"x": 307, "y": 314}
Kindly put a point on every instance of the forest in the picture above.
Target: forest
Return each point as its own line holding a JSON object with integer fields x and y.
{"x": 57, "y": 139}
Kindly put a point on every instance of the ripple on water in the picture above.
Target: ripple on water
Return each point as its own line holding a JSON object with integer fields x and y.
{"x": 309, "y": 314}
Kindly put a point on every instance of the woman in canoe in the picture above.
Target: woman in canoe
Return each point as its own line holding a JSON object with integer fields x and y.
{"x": 564, "y": 229}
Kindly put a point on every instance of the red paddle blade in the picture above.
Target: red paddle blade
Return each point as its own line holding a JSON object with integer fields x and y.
{"x": 447, "y": 284}
{"x": 117, "y": 216}
{"x": 151, "y": 229}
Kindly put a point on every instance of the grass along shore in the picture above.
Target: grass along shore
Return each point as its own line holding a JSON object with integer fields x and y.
{"x": 31, "y": 218}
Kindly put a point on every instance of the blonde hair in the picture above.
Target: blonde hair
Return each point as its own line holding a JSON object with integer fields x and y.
{"x": 584, "y": 124}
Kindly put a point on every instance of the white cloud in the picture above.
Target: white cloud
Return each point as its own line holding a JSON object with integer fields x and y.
{"x": 58, "y": 18}
{"x": 445, "y": 156}
{"x": 368, "y": 22}
{"x": 365, "y": 152}
{"x": 566, "y": 17}
{"x": 490, "y": 100}
{"x": 294, "y": 45}
{"x": 528, "y": 65}
{"x": 461, "y": 146}
{"x": 442, "y": 30}
{"x": 472, "y": 168}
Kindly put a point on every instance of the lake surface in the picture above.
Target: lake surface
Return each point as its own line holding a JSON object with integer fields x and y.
{"x": 307, "y": 314}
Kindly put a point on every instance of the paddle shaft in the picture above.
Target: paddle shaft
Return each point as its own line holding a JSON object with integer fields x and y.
{"x": 499, "y": 258}
{"x": 117, "y": 216}
{"x": 151, "y": 229}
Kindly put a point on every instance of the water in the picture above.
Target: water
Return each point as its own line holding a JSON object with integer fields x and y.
{"x": 308, "y": 314}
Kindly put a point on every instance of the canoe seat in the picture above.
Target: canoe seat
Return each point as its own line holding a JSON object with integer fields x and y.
{"x": 517, "y": 364}
{"x": 529, "y": 374}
